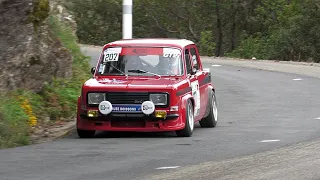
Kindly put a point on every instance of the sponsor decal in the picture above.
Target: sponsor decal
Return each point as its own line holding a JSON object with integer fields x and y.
{"x": 126, "y": 108}
{"x": 105, "y": 107}
{"x": 148, "y": 107}
{"x": 140, "y": 51}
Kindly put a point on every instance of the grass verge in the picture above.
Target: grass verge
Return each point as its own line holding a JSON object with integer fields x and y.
{"x": 13, "y": 123}
{"x": 20, "y": 109}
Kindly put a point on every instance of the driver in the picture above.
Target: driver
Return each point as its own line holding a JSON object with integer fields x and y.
{"x": 174, "y": 65}
{"x": 133, "y": 63}
{"x": 170, "y": 65}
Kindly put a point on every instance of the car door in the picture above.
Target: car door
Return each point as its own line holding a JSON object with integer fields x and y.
{"x": 201, "y": 78}
{"x": 194, "y": 84}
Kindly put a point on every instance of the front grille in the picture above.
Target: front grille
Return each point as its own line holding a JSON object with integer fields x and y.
{"x": 127, "y": 97}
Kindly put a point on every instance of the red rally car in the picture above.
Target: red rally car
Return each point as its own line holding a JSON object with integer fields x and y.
{"x": 147, "y": 85}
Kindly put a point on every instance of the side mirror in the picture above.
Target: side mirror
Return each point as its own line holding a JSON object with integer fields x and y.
{"x": 93, "y": 70}
{"x": 193, "y": 70}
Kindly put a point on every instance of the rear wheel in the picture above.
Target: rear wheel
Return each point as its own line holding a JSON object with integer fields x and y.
{"x": 212, "y": 119}
{"x": 85, "y": 133}
{"x": 188, "y": 129}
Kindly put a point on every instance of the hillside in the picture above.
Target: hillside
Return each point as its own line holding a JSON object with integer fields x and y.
{"x": 39, "y": 59}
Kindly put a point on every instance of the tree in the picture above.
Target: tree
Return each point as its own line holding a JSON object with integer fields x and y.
{"x": 267, "y": 29}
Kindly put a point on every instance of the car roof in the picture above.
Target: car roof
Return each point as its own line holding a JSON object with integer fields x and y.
{"x": 151, "y": 42}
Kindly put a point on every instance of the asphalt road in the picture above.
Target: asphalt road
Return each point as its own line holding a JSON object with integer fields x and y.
{"x": 255, "y": 106}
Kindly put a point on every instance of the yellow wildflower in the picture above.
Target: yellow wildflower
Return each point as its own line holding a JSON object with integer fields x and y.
{"x": 25, "y": 105}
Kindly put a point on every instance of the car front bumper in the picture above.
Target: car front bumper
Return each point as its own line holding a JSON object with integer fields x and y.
{"x": 130, "y": 122}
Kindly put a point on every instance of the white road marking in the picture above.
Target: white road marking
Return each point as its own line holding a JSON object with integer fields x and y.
{"x": 215, "y": 65}
{"x": 273, "y": 140}
{"x": 297, "y": 79}
{"x": 318, "y": 118}
{"x": 168, "y": 167}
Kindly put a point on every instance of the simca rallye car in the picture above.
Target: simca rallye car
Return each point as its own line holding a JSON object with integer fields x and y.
{"x": 147, "y": 85}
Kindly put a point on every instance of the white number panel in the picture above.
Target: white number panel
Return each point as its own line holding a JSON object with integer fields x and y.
{"x": 111, "y": 54}
{"x": 196, "y": 96}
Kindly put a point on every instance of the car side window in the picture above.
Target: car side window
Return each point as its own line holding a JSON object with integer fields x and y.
{"x": 195, "y": 59}
{"x": 187, "y": 58}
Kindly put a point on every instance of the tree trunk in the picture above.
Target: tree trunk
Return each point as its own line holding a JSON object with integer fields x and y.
{"x": 233, "y": 26}
{"x": 219, "y": 30}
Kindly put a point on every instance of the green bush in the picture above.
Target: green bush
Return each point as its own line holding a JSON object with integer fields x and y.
{"x": 207, "y": 44}
{"x": 251, "y": 47}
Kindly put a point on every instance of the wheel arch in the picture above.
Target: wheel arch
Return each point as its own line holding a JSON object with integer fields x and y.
{"x": 210, "y": 90}
{"x": 184, "y": 102}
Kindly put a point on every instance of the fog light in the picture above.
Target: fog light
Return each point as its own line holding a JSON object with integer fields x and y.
{"x": 161, "y": 114}
{"x": 93, "y": 113}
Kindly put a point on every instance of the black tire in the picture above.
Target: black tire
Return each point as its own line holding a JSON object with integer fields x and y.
{"x": 210, "y": 121}
{"x": 188, "y": 129}
{"x": 85, "y": 133}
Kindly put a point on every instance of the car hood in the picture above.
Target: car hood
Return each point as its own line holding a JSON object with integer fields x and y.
{"x": 133, "y": 83}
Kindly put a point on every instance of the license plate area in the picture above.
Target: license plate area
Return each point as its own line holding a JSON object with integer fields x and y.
{"x": 128, "y": 123}
{"x": 126, "y": 108}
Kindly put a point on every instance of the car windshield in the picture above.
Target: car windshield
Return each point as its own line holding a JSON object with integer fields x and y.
{"x": 140, "y": 61}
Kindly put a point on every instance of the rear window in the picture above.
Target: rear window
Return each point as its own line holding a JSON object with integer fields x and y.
{"x": 158, "y": 60}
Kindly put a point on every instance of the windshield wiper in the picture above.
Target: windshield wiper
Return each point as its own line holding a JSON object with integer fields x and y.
{"x": 140, "y": 71}
{"x": 118, "y": 70}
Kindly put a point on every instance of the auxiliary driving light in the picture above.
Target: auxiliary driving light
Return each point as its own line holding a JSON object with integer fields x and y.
{"x": 161, "y": 114}
{"x": 93, "y": 113}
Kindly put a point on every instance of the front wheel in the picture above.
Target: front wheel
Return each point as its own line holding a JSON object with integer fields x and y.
{"x": 212, "y": 119}
{"x": 85, "y": 133}
{"x": 188, "y": 129}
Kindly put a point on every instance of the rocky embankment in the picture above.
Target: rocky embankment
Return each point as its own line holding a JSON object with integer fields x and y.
{"x": 29, "y": 54}
{"x": 42, "y": 69}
